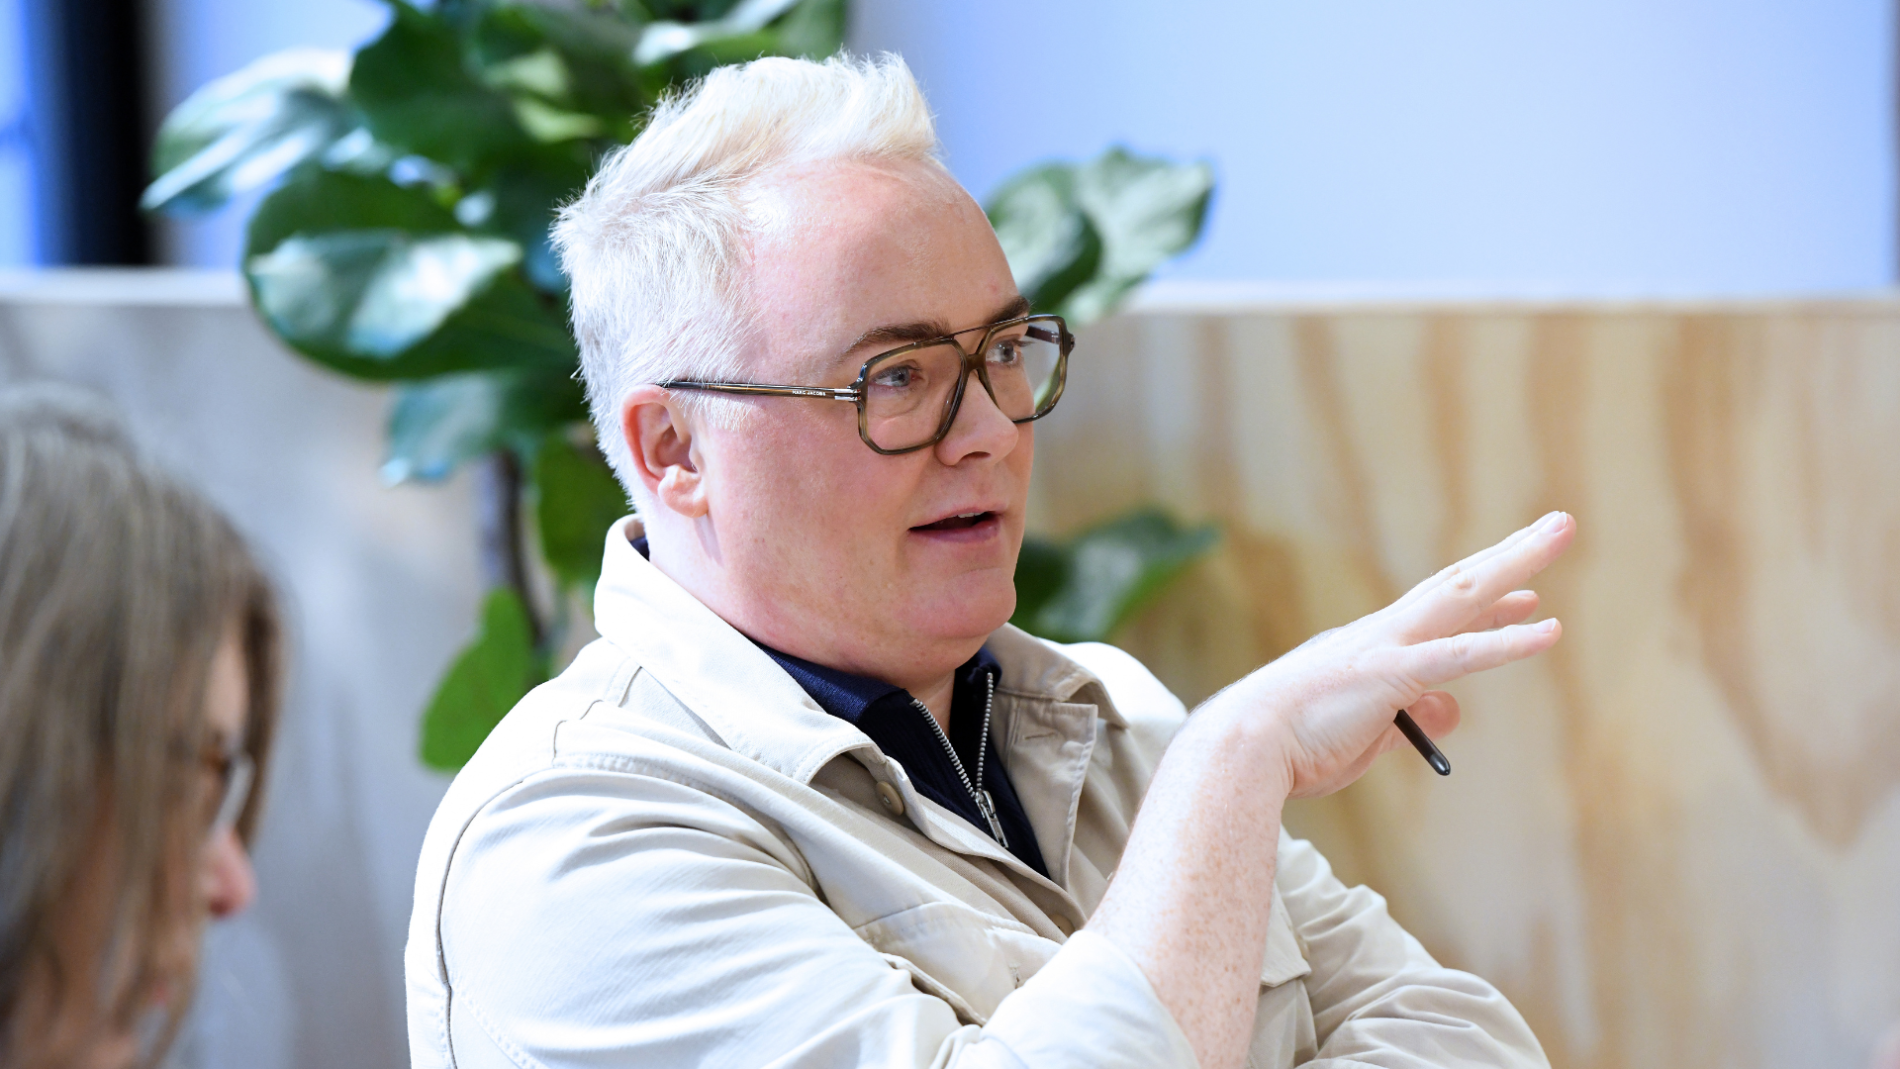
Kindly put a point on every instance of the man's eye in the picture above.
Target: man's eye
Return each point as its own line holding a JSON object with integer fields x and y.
{"x": 1006, "y": 352}
{"x": 901, "y": 377}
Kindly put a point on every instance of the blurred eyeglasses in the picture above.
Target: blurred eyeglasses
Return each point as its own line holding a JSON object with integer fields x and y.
{"x": 231, "y": 771}
{"x": 908, "y": 398}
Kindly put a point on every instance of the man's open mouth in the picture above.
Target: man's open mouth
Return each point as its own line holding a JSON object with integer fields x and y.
{"x": 957, "y": 522}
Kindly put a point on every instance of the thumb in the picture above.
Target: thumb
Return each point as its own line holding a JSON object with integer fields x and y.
{"x": 1436, "y": 712}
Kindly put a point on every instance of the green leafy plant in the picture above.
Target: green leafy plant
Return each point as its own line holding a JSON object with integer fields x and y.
{"x": 1085, "y": 589}
{"x": 1080, "y": 238}
{"x": 485, "y": 681}
{"x": 404, "y": 239}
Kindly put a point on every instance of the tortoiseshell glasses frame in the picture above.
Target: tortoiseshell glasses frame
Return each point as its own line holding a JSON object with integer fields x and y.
{"x": 1014, "y": 344}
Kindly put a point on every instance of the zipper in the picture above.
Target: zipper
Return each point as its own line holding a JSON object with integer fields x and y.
{"x": 984, "y": 803}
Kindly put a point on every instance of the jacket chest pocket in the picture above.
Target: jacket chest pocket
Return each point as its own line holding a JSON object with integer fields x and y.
{"x": 1283, "y": 1033}
{"x": 970, "y": 959}
{"x": 1286, "y": 957}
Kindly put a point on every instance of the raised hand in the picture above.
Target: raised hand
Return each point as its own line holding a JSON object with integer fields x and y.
{"x": 1205, "y": 843}
{"x": 1331, "y": 701}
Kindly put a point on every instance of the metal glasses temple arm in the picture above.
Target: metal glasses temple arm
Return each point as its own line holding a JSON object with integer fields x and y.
{"x": 838, "y": 394}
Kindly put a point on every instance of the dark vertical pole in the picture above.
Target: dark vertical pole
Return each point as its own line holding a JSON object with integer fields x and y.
{"x": 89, "y": 128}
{"x": 504, "y": 555}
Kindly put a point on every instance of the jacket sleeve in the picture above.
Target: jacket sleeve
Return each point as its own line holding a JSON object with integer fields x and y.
{"x": 617, "y": 920}
{"x": 1378, "y": 998}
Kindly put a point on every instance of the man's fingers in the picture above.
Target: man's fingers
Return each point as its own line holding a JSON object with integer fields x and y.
{"x": 1445, "y": 659}
{"x": 1508, "y": 543}
{"x": 1457, "y": 599}
{"x": 1513, "y": 608}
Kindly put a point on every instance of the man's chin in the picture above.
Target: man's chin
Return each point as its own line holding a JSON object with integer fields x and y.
{"x": 967, "y": 614}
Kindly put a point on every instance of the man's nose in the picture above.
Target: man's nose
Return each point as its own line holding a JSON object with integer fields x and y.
{"x": 980, "y": 427}
{"x": 230, "y": 884}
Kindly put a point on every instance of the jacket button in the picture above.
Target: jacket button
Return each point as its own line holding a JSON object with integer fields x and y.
{"x": 891, "y": 799}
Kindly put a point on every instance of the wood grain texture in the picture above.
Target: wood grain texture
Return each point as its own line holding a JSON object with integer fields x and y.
{"x": 1675, "y": 839}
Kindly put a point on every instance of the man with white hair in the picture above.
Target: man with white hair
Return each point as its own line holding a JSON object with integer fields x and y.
{"x": 809, "y": 801}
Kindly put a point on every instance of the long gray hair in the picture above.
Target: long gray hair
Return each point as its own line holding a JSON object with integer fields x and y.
{"x": 117, "y": 586}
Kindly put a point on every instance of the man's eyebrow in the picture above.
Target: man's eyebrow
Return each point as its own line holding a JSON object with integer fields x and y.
{"x": 925, "y": 330}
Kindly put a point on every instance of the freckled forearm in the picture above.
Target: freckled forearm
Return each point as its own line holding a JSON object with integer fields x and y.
{"x": 1191, "y": 897}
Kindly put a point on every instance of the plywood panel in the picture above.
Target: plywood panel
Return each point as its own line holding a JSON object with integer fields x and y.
{"x": 1675, "y": 839}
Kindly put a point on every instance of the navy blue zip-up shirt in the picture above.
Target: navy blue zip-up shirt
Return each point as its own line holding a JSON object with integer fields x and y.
{"x": 888, "y": 715}
{"x": 903, "y": 731}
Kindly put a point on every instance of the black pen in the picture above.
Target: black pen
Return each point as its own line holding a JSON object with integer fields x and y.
{"x": 1423, "y": 743}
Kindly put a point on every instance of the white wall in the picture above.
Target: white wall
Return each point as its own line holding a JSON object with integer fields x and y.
{"x": 1654, "y": 146}
{"x": 1617, "y": 145}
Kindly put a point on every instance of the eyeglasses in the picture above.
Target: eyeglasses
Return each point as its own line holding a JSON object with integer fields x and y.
{"x": 232, "y": 770}
{"x": 908, "y": 398}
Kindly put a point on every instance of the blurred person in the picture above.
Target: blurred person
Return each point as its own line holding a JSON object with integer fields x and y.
{"x": 810, "y": 800}
{"x": 139, "y": 665}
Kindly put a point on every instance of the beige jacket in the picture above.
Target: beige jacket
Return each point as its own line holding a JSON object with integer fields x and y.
{"x": 670, "y": 856}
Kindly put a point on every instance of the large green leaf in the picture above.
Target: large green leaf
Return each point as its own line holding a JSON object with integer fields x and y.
{"x": 389, "y": 304}
{"x": 665, "y": 38}
{"x": 243, "y": 130}
{"x": 417, "y": 91}
{"x": 313, "y": 200}
{"x": 679, "y": 51}
{"x": 1086, "y": 589}
{"x": 488, "y": 677}
{"x": 681, "y": 10}
{"x": 1051, "y": 245}
{"x": 438, "y": 423}
{"x": 1080, "y": 238}
{"x": 576, "y": 499}
{"x": 373, "y": 294}
{"x": 522, "y": 195}
{"x": 570, "y": 69}
{"x": 812, "y": 28}
{"x": 1042, "y": 566}
{"x": 1148, "y": 211}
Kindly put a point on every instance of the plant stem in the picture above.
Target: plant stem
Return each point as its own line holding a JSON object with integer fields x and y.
{"x": 498, "y": 518}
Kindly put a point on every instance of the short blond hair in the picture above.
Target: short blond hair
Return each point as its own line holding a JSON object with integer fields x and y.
{"x": 653, "y": 246}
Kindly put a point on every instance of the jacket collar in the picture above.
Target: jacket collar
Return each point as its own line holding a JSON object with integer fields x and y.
{"x": 710, "y": 667}
{"x": 743, "y": 695}
{"x": 849, "y": 697}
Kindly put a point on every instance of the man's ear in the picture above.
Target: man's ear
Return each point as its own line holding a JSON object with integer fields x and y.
{"x": 660, "y": 438}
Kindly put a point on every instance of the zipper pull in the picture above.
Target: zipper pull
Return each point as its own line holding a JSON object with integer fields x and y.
{"x": 987, "y": 806}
